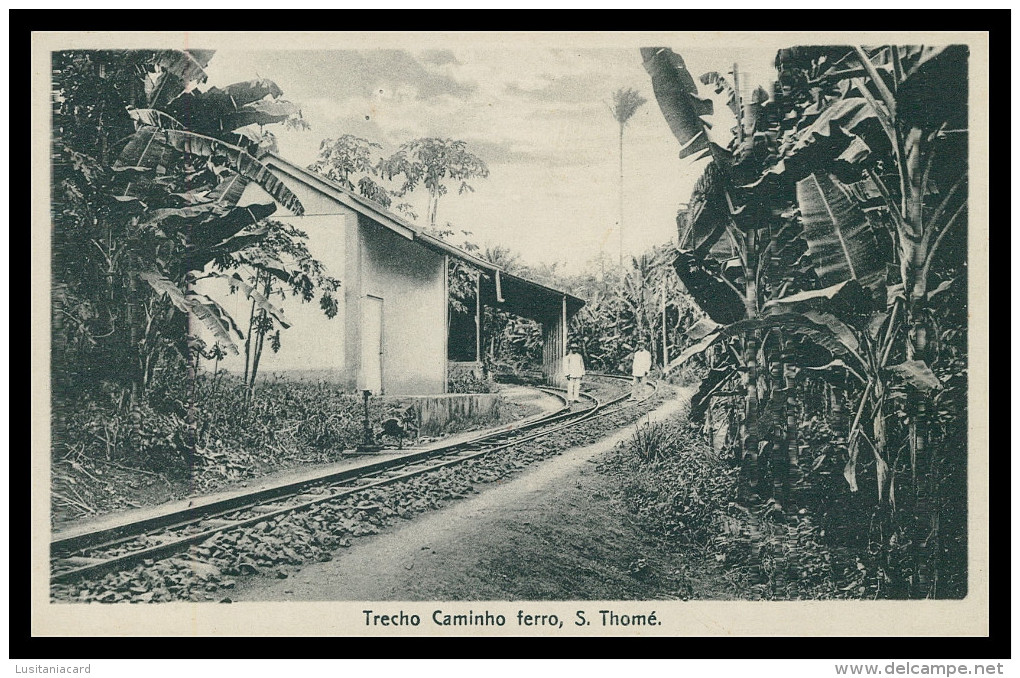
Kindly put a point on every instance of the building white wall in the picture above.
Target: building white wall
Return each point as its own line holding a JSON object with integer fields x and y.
{"x": 411, "y": 280}
{"x": 368, "y": 259}
{"x": 314, "y": 344}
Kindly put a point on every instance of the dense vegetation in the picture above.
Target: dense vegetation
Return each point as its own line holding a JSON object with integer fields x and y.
{"x": 826, "y": 242}
{"x": 681, "y": 493}
{"x": 148, "y": 171}
{"x": 817, "y": 289}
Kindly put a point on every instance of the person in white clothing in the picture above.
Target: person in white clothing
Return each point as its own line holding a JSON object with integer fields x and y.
{"x": 573, "y": 370}
{"x": 640, "y": 369}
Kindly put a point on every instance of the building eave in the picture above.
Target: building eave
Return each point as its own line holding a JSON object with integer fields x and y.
{"x": 398, "y": 224}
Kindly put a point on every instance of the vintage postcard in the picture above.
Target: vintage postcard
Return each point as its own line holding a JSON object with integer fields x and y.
{"x": 510, "y": 334}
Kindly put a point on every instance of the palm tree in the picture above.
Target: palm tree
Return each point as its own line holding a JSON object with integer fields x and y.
{"x": 625, "y": 104}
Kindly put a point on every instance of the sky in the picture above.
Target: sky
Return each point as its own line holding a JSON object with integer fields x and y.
{"x": 538, "y": 116}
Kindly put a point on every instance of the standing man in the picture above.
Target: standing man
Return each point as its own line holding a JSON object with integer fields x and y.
{"x": 642, "y": 364}
{"x": 573, "y": 370}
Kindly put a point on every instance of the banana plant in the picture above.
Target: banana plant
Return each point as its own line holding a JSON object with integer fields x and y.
{"x": 148, "y": 174}
{"x": 898, "y": 129}
{"x": 831, "y": 170}
{"x": 851, "y": 351}
{"x": 857, "y": 174}
{"x": 720, "y": 210}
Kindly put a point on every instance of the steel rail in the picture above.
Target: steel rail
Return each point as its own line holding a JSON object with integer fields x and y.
{"x": 104, "y": 538}
{"x": 331, "y": 487}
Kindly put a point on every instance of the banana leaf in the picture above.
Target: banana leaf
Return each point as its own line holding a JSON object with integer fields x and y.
{"x": 208, "y": 232}
{"x": 216, "y": 319}
{"x": 197, "y": 258}
{"x": 847, "y": 300}
{"x": 245, "y": 117}
{"x": 277, "y": 108}
{"x": 876, "y": 323}
{"x": 229, "y": 190}
{"x": 942, "y": 287}
{"x": 722, "y": 86}
{"x": 837, "y": 327}
{"x": 677, "y": 96}
{"x": 917, "y": 374}
{"x": 838, "y": 141}
{"x": 211, "y": 314}
{"x": 803, "y": 353}
{"x": 814, "y": 59}
{"x": 701, "y": 400}
{"x": 713, "y": 296}
{"x": 791, "y": 251}
{"x": 705, "y": 219}
{"x": 178, "y": 69}
{"x": 152, "y": 147}
{"x": 795, "y": 323}
{"x": 155, "y": 118}
{"x": 218, "y": 232}
{"x": 188, "y": 65}
{"x": 171, "y": 218}
{"x": 934, "y": 90}
{"x": 694, "y": 349}
{"x": 702, "y": 328}
{"x": 162, "y": 285}
{"x": 261, "y": 302}
{"x": 839, "y": 235}
{"x": 252, "y": 90}
{"x": 215, "y": 112}
{"x": 834, "y": 368}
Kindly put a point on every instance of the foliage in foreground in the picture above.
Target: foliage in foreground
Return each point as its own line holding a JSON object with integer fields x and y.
{"x": 211, "y": 431}
{"x": 684, "y": 495}
{"x": 677, "y": 490}
{"x": 148, "y": 171}
{"x": 823, "y": 238}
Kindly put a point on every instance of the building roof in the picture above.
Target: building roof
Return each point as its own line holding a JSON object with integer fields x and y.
{"x": 515, "y": 294}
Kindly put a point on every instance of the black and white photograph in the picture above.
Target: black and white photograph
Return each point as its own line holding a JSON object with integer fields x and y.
{"x": 489, "y": 330}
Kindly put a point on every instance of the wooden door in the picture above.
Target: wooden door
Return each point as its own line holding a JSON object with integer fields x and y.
{"x": 372, "y": 345}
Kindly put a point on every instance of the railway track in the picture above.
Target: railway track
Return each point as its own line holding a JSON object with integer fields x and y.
{"x": 95, "y": 553}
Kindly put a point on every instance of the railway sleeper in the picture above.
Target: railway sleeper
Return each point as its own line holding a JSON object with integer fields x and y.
{"x": 217, "y": 522}
{"x": 307, "y": 496}
{"x": 266, "y": 508}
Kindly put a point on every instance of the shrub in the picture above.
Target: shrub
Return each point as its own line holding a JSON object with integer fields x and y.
{"x": 207, "y": 429}
{"x": 775, "y": 556}
{"x": 210, "y": 431}
{"x": 678, "y": 487}
{"x": 654, "y": 440}
{"x": 467, "y": 382}
{"x": 138, "y": 435}
{"x": 684, "y": 494}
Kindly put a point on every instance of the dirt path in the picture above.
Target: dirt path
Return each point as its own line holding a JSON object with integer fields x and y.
{"x": 556, "y": 532}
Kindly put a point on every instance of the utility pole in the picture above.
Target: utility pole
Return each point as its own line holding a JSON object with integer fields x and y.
{"x": 478, "y": 319}
{"x": 621, "y": 195}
